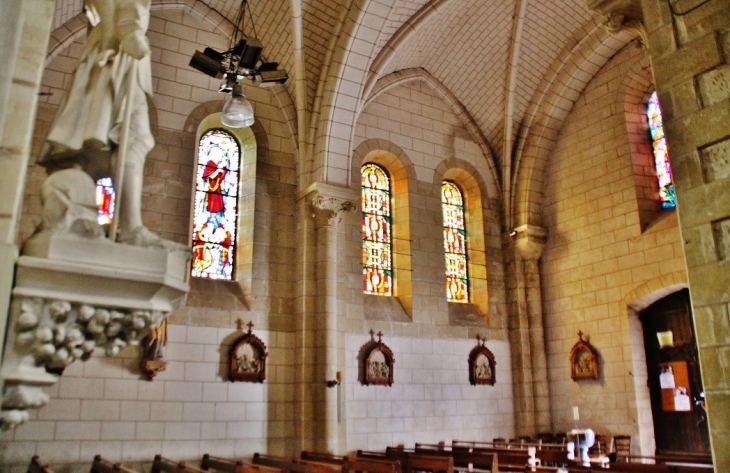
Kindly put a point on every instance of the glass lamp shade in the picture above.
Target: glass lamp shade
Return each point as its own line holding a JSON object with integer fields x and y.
{"x": 238, "y": 112}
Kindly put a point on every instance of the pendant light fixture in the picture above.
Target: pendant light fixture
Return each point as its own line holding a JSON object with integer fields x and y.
{"x": 238, "y": 112}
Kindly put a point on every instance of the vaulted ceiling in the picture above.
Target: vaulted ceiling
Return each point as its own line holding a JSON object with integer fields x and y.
{"x": 493, "y": 55}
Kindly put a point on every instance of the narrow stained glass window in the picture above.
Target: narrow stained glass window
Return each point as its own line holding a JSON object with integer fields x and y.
{"x": 661, "y": 155}
{"x": 452, "y": 206}
{"x": 215, "y": 214}
{"x": 377, "y": 272}
{"x": 105, "y": 200}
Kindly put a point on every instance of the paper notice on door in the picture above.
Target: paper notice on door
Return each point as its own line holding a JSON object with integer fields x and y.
{"x": 666, "y": 378}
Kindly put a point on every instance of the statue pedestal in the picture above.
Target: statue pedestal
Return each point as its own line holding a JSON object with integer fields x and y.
{"x": 74, "y": 294}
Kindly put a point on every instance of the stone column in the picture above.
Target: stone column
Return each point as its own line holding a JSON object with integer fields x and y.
{"x": 689, "y": 49}
{"x": 24, "y": 31}
{"x": 529, "y": 243}
{"x": 328, "y": 206}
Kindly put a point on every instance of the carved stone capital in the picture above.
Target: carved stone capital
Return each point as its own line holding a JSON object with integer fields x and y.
{"x": 529, "y": 241}
{"x": 621, "y": 15}
{"x": 329, "y": 202}
{"x": 329, "y": 210}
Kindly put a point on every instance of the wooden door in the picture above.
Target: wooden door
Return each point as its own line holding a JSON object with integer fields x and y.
{"x": 680, "y": 422}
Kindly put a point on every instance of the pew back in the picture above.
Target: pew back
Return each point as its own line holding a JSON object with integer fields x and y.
{"x": 272, "y": 461}
{"x": 222, "y": 465}
{"x": 163, "y": 465}
{"x": 100, "y": 465}
{"x": 371, "y": 465}
{"x": 37, "y": 466}
{"x": 322, "y": 457}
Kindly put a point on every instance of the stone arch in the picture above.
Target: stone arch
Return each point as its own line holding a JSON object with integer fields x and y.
{"x": 403, "y": 178}
{"x": 418, "y": 74}
{"x": 477, "y": 209}
{"x": 561, "y": 87}
{"x": 385, "y": 153}
{"x": 632, "y": 304}
{"x": 254, "y": 145}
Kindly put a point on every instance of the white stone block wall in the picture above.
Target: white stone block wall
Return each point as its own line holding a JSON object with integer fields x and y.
{"x": 103, "y": 406}
{"x": 431, "y": 399}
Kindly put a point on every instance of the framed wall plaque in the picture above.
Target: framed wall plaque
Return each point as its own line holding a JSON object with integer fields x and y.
{"x": 378, "y": 363}
{"x": 482, "y": 365}
{"x": 583, "y": 360}
{"x": 247, "y": 358}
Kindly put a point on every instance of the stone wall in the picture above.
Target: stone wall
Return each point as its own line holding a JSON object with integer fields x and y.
{"x": 102, "y": 406}
{"x": 690, "y": 48}
{"x": 431, "y": 400}
{"x": 597, "y": 253}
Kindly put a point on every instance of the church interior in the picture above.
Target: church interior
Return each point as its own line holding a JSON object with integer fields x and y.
{"x": 511, "y": 142}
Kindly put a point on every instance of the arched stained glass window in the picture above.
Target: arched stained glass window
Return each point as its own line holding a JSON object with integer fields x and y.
{"x": 105, "y": 200}
{"x": 452, "y": 206}
{"x": 377, "y": 270}
{"x": 215, "y": 214}
{"x": 661, "y": 155}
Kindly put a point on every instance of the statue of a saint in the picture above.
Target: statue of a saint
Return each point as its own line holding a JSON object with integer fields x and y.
{"x": 110, "y": 86}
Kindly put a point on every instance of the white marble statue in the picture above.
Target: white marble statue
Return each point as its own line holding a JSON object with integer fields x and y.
{"x": 114, "y": 72}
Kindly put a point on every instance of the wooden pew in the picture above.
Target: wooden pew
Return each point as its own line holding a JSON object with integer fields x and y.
{"x": 222, "y": 465}
{"x": 100, "y": 465}
{"x": 429, "y": 463}
{"x": 37, "y": 466}
{"x": 163, "y": 465}
{"x": 322, "y": 457}
{"x": 462, "y": 459}
{"x": 371, "y": 465}
{"x": 272, "y": 461}
{"x": 510, "y": 459}
{"x": 307, "y": 466}
{"x": 251, "y": 468}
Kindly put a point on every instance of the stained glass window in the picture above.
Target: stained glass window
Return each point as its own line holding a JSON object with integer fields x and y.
{"x": 661, "y": 155}
{"x": 452, "y": 207}
{"x": 105, "y": 200}
{"x": 215, "y": 212}
{"x": 377, "y": 271}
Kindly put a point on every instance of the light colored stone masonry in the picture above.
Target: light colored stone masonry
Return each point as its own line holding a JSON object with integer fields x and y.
{"x": 101, "y": 406}
{"x": 431, "y": 400}
{"x": 596, "y": 255}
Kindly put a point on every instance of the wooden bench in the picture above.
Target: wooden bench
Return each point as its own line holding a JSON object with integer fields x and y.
{"x": 429, "y": 463}
{"x": 272, "y": 461}
{"x": 36, "y": 466}
{"x": 322, "y": 457}
{"x": 371, "y": 465}
{"x": 100, "y": 465}
{"x": 307, "y": 466}
{"x": 220, "y": 464}
{"x": 163, "y": 465}
{"x": 509, "y": 459}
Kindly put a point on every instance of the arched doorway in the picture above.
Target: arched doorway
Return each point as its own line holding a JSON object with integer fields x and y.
{"x": 675, "y": 386}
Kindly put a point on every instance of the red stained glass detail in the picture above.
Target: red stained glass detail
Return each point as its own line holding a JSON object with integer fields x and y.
{"x": 215, "y": 213}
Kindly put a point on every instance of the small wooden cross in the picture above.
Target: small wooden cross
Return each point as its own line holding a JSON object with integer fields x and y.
{"x": 580, "y": 335}
{"x": 250, "y": 326}
{"x": 380, "y": 336}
